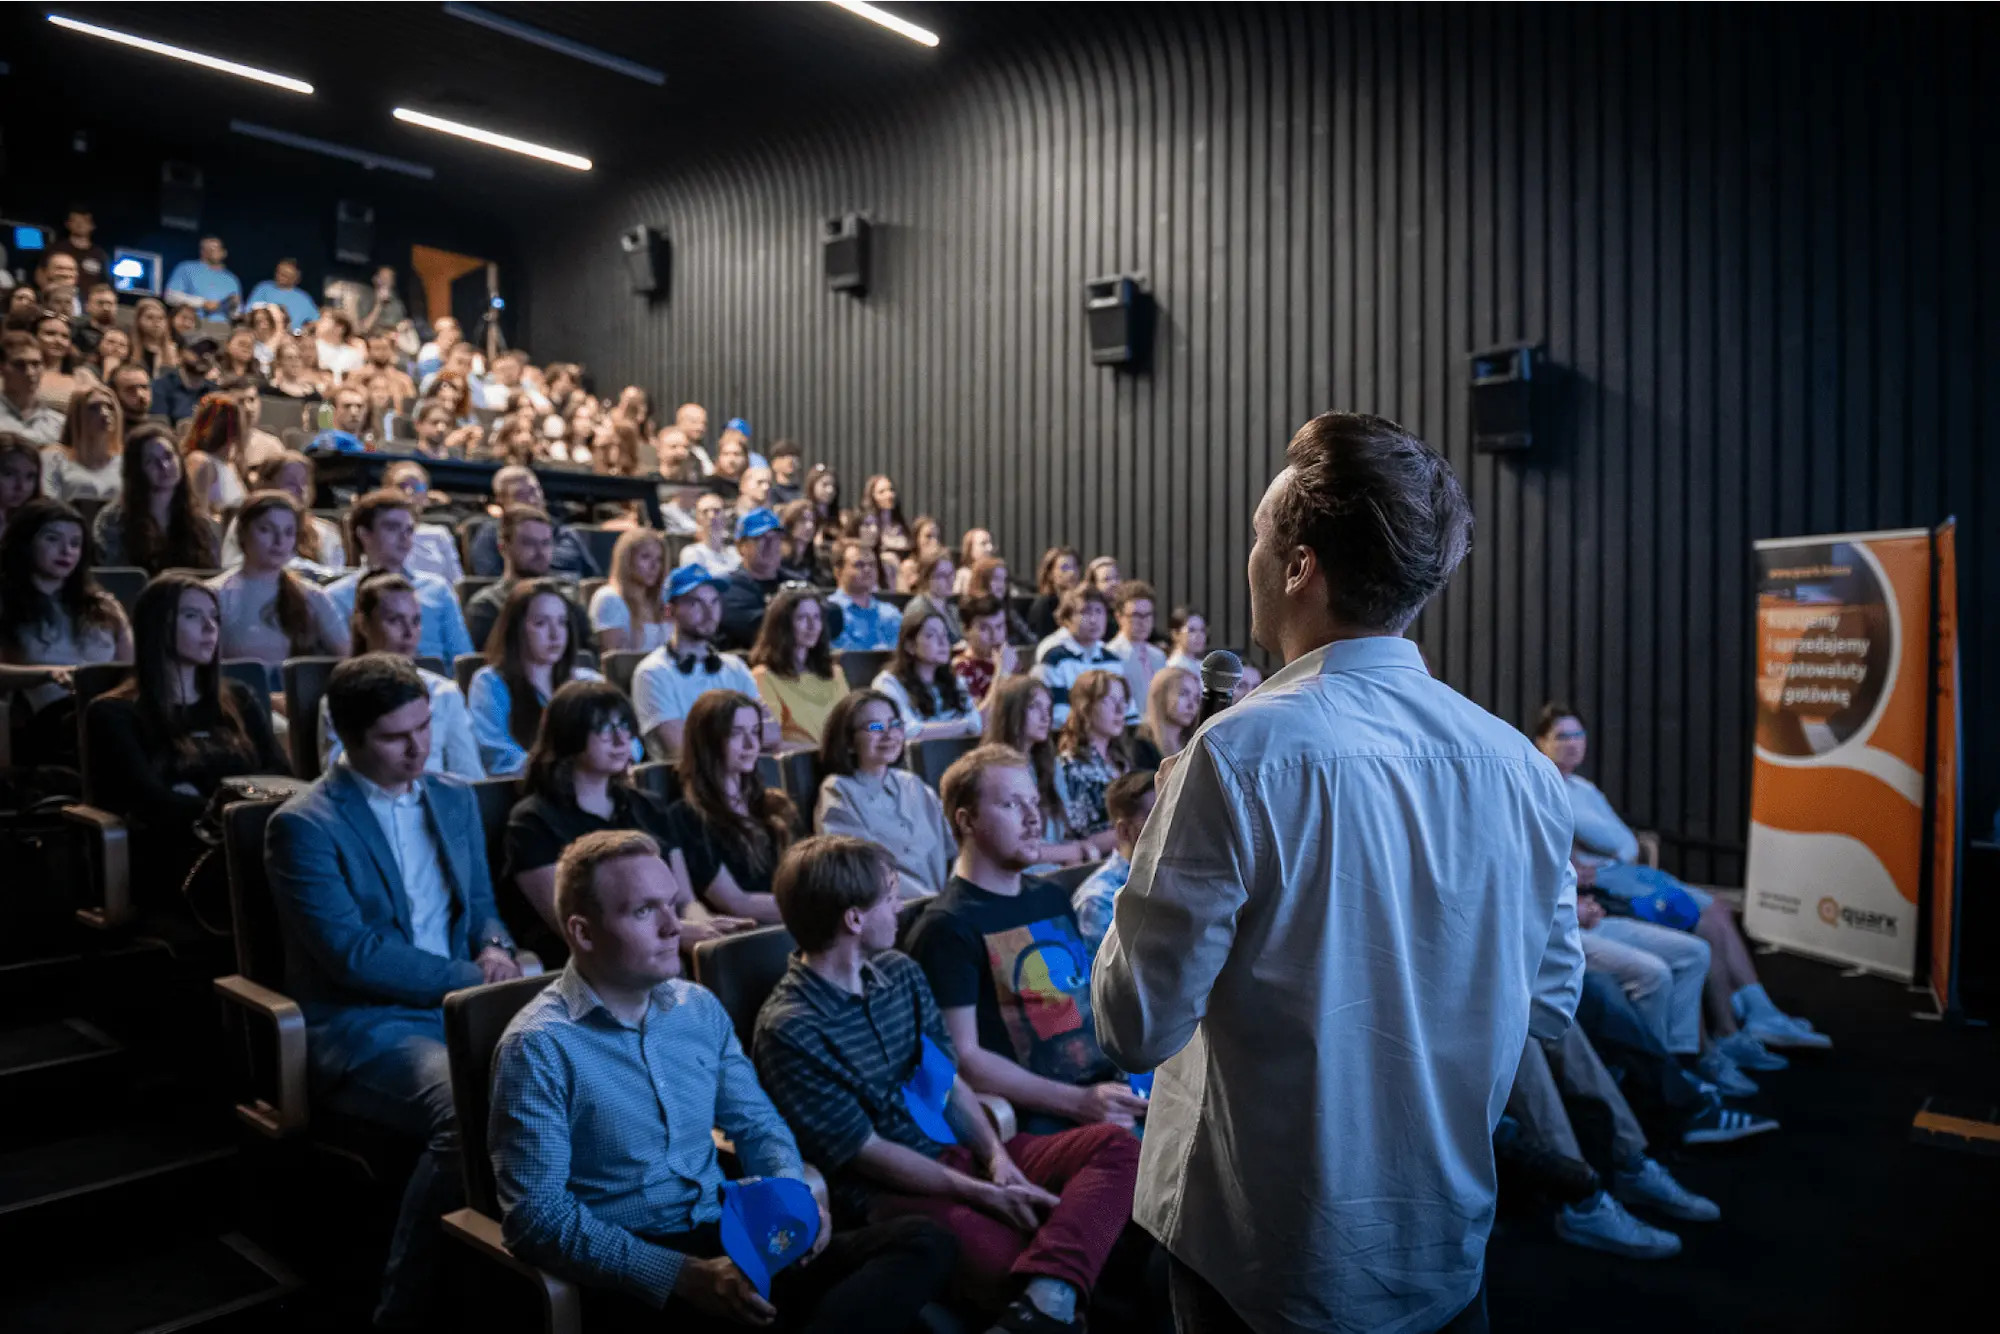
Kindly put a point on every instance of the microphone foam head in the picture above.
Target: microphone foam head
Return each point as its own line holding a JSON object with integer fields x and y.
{"x": 1220, "y": 671}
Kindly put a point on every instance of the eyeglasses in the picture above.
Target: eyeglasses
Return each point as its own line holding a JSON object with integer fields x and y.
{"x": 617, "y": 729}
{"x": 893, "y": 725}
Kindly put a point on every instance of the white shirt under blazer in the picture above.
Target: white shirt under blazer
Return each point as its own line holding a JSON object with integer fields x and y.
{"x": 1351, "y": 907}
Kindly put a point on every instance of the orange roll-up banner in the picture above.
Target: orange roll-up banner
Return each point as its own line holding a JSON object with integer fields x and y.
{"x": 1844, "y": 688}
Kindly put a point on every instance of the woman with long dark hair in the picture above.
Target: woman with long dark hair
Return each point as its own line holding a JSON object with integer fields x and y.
{"x": 865, "y": 795}
{"x": 53, "y": 617}
{"x": 84, "y": 468}
{"x": 823, "y": 490}
{"x": 114, "y": 349}
{"x": 990, "y": 578}
{"x": 20, "y": 474}
{"x": 1187, "y": 639}
{"x": 919, "y": 681}
{"x": 731, "y": 827}
{"x": 577, "y": 783}
{"x": 1061, "y": 570}
{"x": 799, "y": 561}
{"x": 529, "y": 656}
{"x": 792, "y": 662}
{"x": 268, "y": 612}
{"x": 1021, "y": 715}
{"x": 162, "y": 741}
{"x": 154, "y": 524}
{"x": 153, "y": 338}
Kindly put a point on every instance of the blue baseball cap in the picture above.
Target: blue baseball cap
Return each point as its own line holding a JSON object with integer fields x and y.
{"x": 766, "y": 1224}
{"x": 929, "y": 1090}
{"x": 737, "y": 424}
{"x": 757, "y": 523}
{"x": 687, "y": 578}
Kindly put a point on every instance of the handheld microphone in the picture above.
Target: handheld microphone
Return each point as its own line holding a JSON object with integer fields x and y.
{"x": 1220, "y": 671}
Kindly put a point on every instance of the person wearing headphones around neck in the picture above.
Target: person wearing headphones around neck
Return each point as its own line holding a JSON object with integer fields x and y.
{"x": 672, "y": 677}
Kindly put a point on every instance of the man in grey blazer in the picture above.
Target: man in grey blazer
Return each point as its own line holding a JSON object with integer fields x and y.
{"x": 381, "y": 885}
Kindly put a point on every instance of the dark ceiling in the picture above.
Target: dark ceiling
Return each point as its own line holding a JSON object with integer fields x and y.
{"x": 726, "y": 64}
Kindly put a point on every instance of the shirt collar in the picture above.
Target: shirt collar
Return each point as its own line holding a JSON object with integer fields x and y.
{"x": 823, "y": 995}
{"x": 1355, "y": 655}
{"x": 375, "y": 792}
{"x": 580, "y": 999}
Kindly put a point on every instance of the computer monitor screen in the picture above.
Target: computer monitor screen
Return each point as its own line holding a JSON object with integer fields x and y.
{"x": 27, "y": 237}
{"x": 135, "y": 271}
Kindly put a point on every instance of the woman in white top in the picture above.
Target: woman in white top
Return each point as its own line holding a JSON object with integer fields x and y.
{"x": 53, "y": 616}
{"x": 387, "y": 619}
{"x": 87, "y": 465}
{"x": 630, "y": 612}
{"x": 977, "y": 545}
{"x": 434, "y": 549}
{"x": 714, "y": 552}
{"x": 529, "y": 657}
{"x": 1187, "y": 639}
{"x": 865, "y": 795}
{"x": 269, "y": 613}
{"x": 919, "y": 681}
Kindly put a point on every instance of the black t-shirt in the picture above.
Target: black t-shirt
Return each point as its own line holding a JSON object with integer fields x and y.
{"x": 706, "y": 854}
{"x": 539, "y": 828}
{"x": 93, "y": 265}
{"x": 1022, "y": 963}
{"x": 743, "y": 603}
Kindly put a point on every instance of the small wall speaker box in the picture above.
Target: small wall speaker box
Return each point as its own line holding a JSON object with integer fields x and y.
{"x": 1119, "y": 312}
{"x": 1503, "y": 399}
{"x": 845, "y": 245}
{"x": 646, "y": 259}
{"x": 180, "y": 196}
{"x": 353, "y": 232}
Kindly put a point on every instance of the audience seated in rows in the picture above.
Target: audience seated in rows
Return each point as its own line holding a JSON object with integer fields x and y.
{"x": 1129, "y": 799}
{"x": 516, "y": 485}
{"x": 608, "y": 1174}
{"x": 269, "y": 612}
{"x": 383, "y": 526}
{"x": 1021, "y": 1031}
{"x": 1019, "y": 715}
{"x": 380, "y": 878}
{"x": 577, "y": 782}
{"x": 206, "y": 285}
{"x": 530, "y": 655}
{"x": 1076, "y": 648}
{"x": 388, "y": 619}
{"x": 527, "y": 549}
{"x": 668, "y": 680}
{"x": 629, "y": 614}
{"x": 730, "y": 827}
{"x": 162, "y": 742}
{"x": 793, "y": 666}
{"x": 864, "y": 793}
{"x": 867, "y": 1071}
{"x": 868, "y": 624}
{"x": 154, "y": 523}
{"x": 928, "y": 696}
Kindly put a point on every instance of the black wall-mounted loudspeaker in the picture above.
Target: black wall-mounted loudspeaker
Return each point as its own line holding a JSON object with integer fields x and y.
{"x": 180, "y": 196}
{"x": 845, "y": 246}
{"x": 353, "y": 232}
{"x": 1119, "y": 312}
{"x": 646, "y": 259}
{"x": 1504, "y": 389}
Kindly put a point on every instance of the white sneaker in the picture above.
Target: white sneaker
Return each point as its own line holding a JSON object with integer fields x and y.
{"x": 1746, "y": 1053}
{"x": 1655, "y": 1188}
{"x": 1605, "y": 1226}
{"x": 1720, "y": 1071}
{"x": 1781, "y": 1030}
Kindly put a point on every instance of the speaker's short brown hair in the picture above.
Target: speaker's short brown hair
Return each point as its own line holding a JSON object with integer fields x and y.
{"x": 1380, "y": 509}
{"x": 576, "y": 870}
{"x": 821, "y": 878}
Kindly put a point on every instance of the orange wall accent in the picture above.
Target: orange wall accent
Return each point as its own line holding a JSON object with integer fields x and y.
{"x": 439, "y": 269}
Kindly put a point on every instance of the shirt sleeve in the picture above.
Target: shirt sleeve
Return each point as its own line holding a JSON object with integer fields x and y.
{"x": 333, "y": 631}
{"x": 608, "y": 610}
{"x": 742, "y": 1109}
{"x": 1173, "y": 924}
{"x": 816, "y": 1103}
{"x": 541, "y": 1218}
{"x": 650, "y": 698}
{"x": 451, "y": 728}
{"x": 490, "y": 701}
{"x": 1092, "y": 903}
{"x": 906, "y": 709}
{"x": 951, "y": 957}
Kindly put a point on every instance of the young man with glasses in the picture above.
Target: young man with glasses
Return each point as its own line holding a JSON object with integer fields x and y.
{"x": 673, "y": 676}
{"x": 21, "y": 412}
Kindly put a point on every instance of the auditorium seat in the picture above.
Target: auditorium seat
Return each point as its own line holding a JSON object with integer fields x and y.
{"x": 741, "y": 970}
{"x": 587, "y": 589}
{"x": 929, "y": 759}
{"x": 659, "y": 778}
{"x": 255, "y": 674}
{"x": 123, "y": 582}
{"x": 305, "y": 686}
{"x": 1071, "y": 878}
{"x": 278, "y": 414}
{"x": 619, "y": 666}
{"x": 106, "y": 837}
{"x": 463, "y": 668}
{"x": 861, "y": 666}
{"x": 472, "y": 584}
{"x": 598, "y": 541}
{"x": 798, "y": 778}
{"x": 274, "y": 1027}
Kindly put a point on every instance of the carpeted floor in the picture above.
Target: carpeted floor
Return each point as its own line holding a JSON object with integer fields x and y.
{"x": 1837, "y": 1222}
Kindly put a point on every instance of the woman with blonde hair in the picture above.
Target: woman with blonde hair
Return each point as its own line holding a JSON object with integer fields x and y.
{"x": 1173, "y": 702}
{"x": 268, "y": 612}
{"x": 1019, "y": 714}
{"x": 86, "y": 466}
{"x": 290, "y": 375}
{"x": 153, "y": 337}
{"x": 629, "y": 614}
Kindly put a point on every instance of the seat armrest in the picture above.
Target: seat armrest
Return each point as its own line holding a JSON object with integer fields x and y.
{"x": 285, "y": 1113}
{"x": 562, "y": 1304}
{"x": 1001, "y": 1113}
{"x": 1649, "y": 847}
{"x": 111, "y": 856}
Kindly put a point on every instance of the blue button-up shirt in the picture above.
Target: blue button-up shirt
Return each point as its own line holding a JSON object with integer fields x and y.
{"x": 298, "y": 306}
{"x": 1096, "y": 897}
{"x": 443, "y": 637}
{"x": 601, "y": 1130}
{"x": 193, "y": 282}
{"x": 866, "y": 629}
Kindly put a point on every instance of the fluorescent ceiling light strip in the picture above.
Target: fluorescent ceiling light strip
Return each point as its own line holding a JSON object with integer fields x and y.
{"x": 181, "y": 53}
{"x": 492, "y": 140}
{"x": 860, "y": 9}
{"x": 486, "y": 18}
{"x": 372, "y": 161}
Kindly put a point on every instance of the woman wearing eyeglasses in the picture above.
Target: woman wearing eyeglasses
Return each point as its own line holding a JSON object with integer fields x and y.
{"x": 865, "y": 795}
{"x": 792, "y": 662}
{"x": 576, "y": 784}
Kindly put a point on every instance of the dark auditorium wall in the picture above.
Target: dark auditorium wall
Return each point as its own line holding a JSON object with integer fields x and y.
{"x": 1751, "y": 238}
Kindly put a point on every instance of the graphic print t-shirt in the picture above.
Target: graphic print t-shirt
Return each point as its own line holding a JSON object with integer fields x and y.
{"x": 1022, "y": 963}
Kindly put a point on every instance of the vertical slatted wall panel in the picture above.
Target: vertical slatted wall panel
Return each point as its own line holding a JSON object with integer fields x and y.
{"x": 1754, "y": 239}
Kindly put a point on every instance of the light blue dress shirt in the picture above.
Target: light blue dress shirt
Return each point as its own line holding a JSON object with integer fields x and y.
{"x": 1350, "y": 908}
{"x": 443, "y": 637}
{"x": 866, "y": 629}
{"x": 1096, "y": 897}
{"x": 601, "y": 1131}
{"x": 193, "y": 279}
{"x": 296, "y": 304}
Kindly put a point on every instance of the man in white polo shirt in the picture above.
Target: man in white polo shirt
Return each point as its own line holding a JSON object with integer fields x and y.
{"x": 672, "y": 677}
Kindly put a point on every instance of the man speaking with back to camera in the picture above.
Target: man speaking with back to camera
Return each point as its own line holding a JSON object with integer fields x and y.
{"x": 1351, "y": 907}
